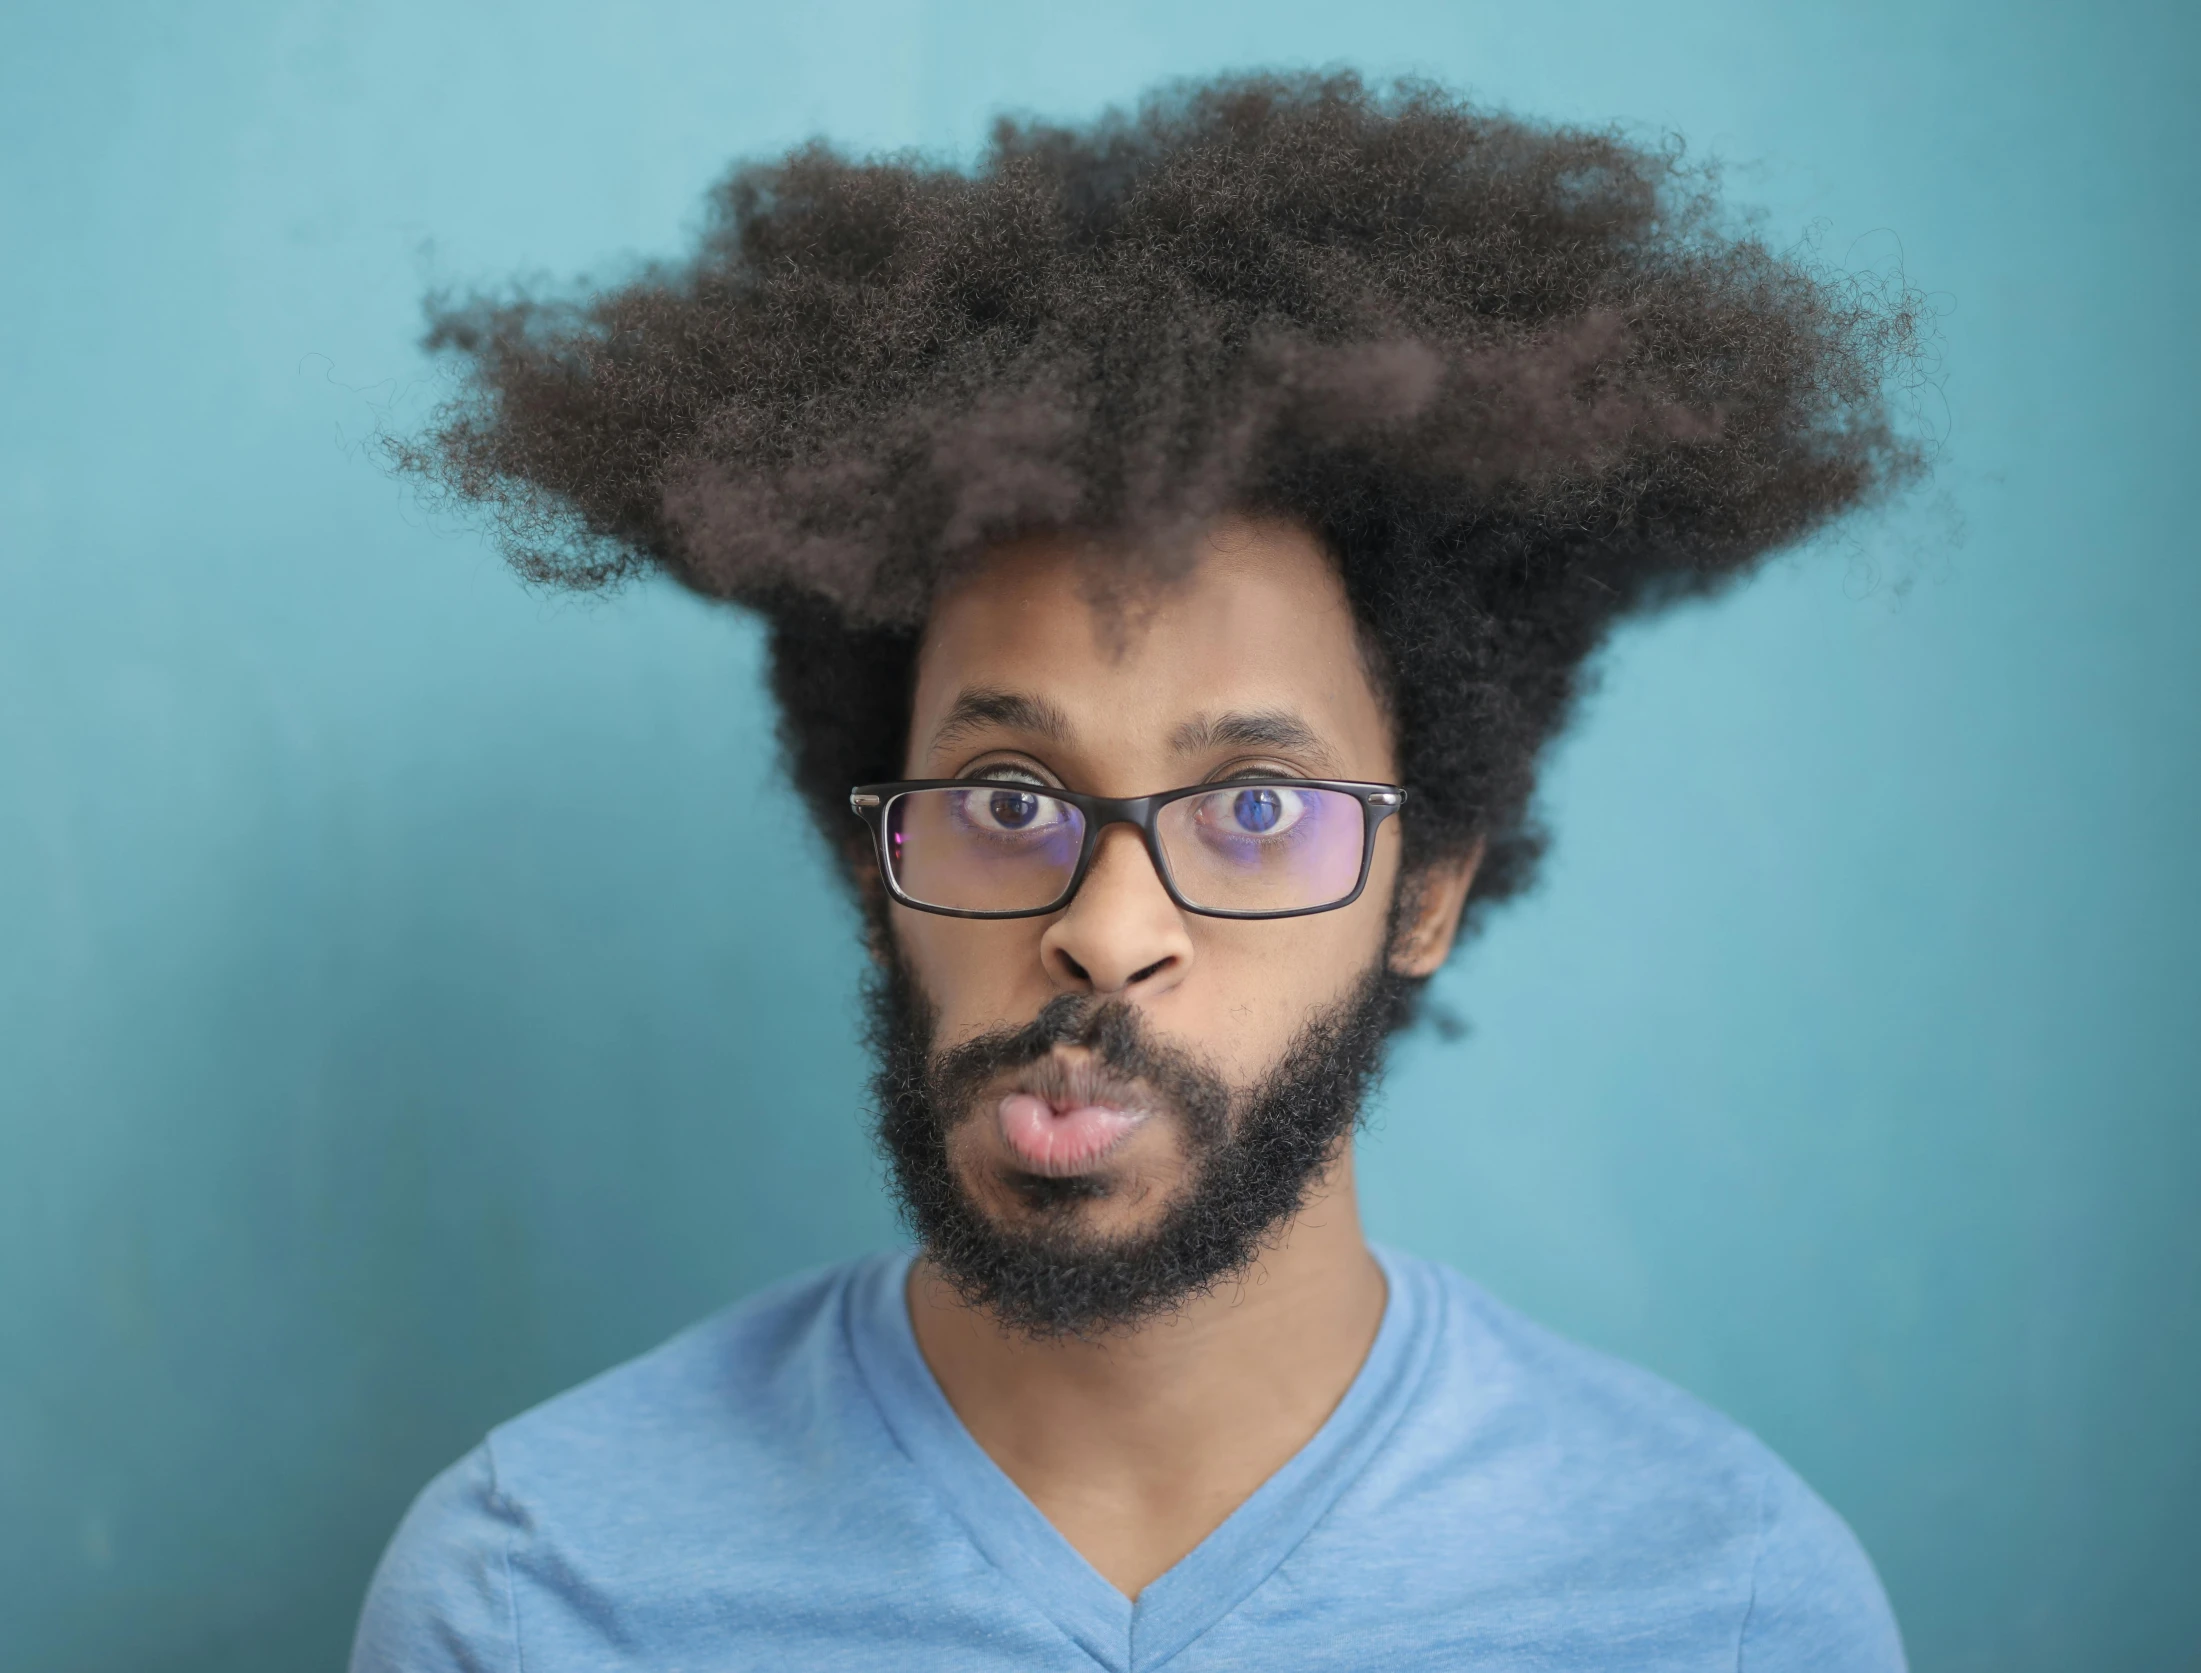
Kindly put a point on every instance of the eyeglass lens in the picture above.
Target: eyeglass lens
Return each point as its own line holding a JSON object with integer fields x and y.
{"x": 1237, "y": 848}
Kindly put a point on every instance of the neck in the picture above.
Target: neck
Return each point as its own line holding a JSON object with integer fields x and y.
{"x": 1138, "y": 1445}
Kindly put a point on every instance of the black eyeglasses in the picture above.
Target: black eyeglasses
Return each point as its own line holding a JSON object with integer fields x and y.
{"x": 1245, "y": 848}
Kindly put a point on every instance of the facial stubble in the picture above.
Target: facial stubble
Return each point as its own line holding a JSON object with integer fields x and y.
{"x": 1251, "y": 1157}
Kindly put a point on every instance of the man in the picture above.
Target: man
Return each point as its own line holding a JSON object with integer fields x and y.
{"x": 1179, "y": 538}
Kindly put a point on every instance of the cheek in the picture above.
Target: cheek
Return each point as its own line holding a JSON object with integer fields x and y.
{"x": 1326, "y": 952}
{"x": 1259, "y": 983}
{"x": 976, "y": 975}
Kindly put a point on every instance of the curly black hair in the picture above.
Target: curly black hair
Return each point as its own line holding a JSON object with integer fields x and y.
{"x": 1520, "y": 380}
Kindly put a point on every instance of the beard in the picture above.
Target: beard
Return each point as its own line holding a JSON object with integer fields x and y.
{"x": 1251, "y": 1157}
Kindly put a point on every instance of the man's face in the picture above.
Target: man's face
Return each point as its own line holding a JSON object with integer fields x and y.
{"x": 1095, "y": 1064}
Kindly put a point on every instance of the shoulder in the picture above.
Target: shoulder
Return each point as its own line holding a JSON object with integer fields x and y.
{"x": 1524, "y": 1396}
{"x": 441, "y": 1596}
{"x": 1620, "y": 1472}
{"x": 725, "y": 1414}
{"x": 719, "y": 1396}
{"x": 1816, "y": 1606}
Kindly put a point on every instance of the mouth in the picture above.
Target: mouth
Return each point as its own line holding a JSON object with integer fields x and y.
{"x": 1061, "y": 1120}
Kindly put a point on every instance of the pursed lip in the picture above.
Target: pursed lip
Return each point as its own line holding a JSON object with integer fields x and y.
{"x": 1064, "y": 1116}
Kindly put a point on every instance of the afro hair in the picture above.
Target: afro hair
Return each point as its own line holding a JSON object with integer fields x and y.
{"x": 1520, "y": 380}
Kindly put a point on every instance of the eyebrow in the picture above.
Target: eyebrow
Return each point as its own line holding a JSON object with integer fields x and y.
{"x": 980, "y": 707}
{"x": 1243, "y": 729}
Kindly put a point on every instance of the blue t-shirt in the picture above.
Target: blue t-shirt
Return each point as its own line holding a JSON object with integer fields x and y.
{"x": 784, "y": 1486}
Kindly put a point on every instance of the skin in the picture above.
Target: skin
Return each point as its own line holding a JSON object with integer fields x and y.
{"x": 1136, "y": 1447}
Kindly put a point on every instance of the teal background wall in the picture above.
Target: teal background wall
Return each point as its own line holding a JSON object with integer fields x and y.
{"x": 416, "y": 994}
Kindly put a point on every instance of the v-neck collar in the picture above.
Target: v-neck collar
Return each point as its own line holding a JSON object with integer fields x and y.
{"x": 1216, "y": 1575}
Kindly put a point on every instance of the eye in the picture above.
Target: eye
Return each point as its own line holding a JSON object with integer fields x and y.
{"x": 1010, "y": 810}
{"x": 1258, "y": 810}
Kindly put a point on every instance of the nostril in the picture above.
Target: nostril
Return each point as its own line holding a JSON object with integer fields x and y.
{"x": 1138, "y": 976}
{"x": 1073, "y": 967}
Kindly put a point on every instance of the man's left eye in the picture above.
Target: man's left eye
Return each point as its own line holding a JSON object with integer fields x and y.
{"x": 1260, "y": 810}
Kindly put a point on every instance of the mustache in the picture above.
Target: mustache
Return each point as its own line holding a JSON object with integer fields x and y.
{"x": 1124, "y": 1054}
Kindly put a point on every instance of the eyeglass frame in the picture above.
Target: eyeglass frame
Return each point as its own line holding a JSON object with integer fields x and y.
{"x": 869, "y": 802}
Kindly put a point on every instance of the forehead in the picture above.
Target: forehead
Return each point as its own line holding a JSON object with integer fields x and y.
{"x": 1259, "y": 626}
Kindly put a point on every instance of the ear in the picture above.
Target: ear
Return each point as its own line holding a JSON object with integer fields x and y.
{"x": 1432, "y": 917}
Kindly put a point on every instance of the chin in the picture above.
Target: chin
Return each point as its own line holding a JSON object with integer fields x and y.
{"x": 1112, "y": 1200}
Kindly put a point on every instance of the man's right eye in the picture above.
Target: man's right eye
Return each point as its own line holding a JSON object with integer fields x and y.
{"x": 1012, "y": 809}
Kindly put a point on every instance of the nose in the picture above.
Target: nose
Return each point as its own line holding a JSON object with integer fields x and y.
{"x": 1121, "y": 933}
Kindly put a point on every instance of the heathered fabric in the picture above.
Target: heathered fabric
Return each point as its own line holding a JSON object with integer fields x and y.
{"x": 784, "y": 1486}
